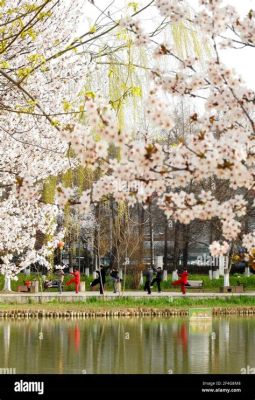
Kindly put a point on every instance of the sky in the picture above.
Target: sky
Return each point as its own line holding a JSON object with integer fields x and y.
{"x": 243, "y": 61}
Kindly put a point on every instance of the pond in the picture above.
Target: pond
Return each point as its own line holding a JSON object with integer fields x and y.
{"x": 128, "y": 345}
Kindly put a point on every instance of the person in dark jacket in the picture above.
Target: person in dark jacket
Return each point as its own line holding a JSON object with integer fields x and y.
{"x": 100, "y": 280}
{"x": 148, "y": 274}
{"x": 116, "y": 280}
{"x": 158, "y": 278}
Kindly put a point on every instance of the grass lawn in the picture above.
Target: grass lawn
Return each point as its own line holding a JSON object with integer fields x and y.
{"x": 125, "y": 303}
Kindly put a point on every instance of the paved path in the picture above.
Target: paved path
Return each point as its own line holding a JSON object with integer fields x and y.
{"x": 72, "y": 296}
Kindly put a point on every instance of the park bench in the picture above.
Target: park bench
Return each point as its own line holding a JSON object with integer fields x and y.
{"x": 195, "y": 285}
{"x": 51, "y": 284}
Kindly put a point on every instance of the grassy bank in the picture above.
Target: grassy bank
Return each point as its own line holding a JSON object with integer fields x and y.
{"x": 135, "y": 303}
{"x": 128, "y": 307}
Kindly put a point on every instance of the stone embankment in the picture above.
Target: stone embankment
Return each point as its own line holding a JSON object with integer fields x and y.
{"x": 130, "y": 312}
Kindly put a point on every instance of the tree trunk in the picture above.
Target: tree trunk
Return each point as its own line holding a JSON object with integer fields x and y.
{"x": 151, "y": 237}
{"x": 70, "y": 254}
{"x": 165, "y": 244}
{"x": 111, "y": 222}
{"x": 176, "y": 245}
{"x": 140, "y": 212}
{"x": 186, "y": 231}
{"x": 96, "y": 240}
{"x": 79, "y": 255}
{"x": 7, "y": 284}
{"x": 210, "y": 241}
{"x": 58, "y": 256}
{"x": 228, "y": 266}
{"x": 226, "y": 277}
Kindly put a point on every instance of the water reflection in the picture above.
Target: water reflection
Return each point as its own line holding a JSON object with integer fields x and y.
{"x": 183, "y": 336}
{"x": 135, "y": 345}
{"x": 74, "y": 335}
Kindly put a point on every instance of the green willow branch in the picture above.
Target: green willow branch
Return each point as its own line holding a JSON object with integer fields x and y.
{"x": 74, "y": 45}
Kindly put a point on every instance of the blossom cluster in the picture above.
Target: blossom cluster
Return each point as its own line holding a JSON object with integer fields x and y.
{"x": 217, "y": 249}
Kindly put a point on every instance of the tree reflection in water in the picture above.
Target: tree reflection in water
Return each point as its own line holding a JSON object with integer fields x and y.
{"x": 127, "y": 345}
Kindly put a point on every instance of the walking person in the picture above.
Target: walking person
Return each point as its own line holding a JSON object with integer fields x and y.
{"x": 158, "y": 279}
{"x": 76, "y": 280}
{"x": 100, "y": 280}
{"x": 183, "y": 281}
{"x": 148, "y": 276}
{"x": 60, "y": 275}
{"x": 116, "y": 280}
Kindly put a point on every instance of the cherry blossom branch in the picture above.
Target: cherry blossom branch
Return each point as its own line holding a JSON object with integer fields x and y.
{"x": 244, "y": 44}
{"x": 74, "y": 45}
{"x": 27, "y": 25}
{"x": 21, "y": 88}
{"x": 240, "y": 103}
{"x": 32, "y": 144}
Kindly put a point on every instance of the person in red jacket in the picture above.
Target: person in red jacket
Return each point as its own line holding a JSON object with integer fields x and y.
{"x": 183, "y": 281}
{"x": 76, "y": 280}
